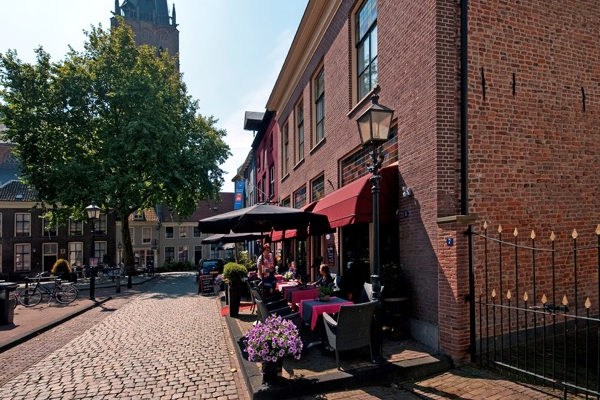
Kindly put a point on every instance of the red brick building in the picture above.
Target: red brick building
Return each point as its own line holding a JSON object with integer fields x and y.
{"x": 495, "y": 120}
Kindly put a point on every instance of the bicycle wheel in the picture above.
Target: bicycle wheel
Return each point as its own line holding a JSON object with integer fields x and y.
{"x": 30, "y": 297}
{"x": 67, "y": 294}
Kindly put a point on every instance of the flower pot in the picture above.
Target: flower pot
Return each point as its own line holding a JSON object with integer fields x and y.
{"x": 235, "y": 297}
{"x": 324, "y": 298}
{"x": 271, "y": 370}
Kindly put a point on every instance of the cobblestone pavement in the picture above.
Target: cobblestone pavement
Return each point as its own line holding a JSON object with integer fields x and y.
{"x": 164, "y": 343}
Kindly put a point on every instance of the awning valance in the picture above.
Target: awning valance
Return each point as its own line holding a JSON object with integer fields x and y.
{"x": 278, "y": 236}
{"x": 353, "y": 203}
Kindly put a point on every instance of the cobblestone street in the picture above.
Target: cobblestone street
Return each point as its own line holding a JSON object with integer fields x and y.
{"x": 167, "y": 342}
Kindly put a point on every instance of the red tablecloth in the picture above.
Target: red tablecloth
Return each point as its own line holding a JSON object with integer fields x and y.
{"x": 311, "y": 309}
{"x": 279, "y": 277}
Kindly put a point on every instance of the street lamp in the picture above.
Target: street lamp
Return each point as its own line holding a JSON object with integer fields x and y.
{"x": 93, "y": 212}
{"x": 374, "y": 128}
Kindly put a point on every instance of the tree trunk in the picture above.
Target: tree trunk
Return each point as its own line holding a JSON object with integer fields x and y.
{"x": 128, "y": 258}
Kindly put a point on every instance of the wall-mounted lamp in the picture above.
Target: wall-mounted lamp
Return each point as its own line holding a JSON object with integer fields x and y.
{"x": 407, "y": 192}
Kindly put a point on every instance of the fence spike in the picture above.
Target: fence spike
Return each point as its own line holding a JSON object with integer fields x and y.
{"x": 485, "y": 225}
{"x": 493, "y": 293}
{"x": 515, "y": 232}
{"x": 499, "y": 228}
{"x": 565, "y": 302}
{"x": 598, "y": 230}
{"x": 574, "y": 234}
{"x": 508, "y": 295}
{"x": 525, "y": 296}
{"x": 544, "y": 299}
{"x": 588, "y": 303}
{"x": 552, "y": 236}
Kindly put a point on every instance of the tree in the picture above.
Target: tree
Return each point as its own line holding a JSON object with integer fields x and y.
{"x": 114, "y": 124}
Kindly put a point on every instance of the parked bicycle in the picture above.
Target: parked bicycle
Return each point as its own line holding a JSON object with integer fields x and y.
{"x": 32, "y": 294}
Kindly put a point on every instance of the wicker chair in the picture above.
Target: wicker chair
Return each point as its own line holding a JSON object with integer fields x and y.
{"x": 352, "y": 330}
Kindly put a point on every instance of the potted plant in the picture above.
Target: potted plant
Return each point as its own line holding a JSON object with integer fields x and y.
{"x": 234, "y": 273}
{"x": 288, "y": 275}
{"x": 62, "y": 269}
{"x": 270, "y": 341}
{"x": 325, "y": 292}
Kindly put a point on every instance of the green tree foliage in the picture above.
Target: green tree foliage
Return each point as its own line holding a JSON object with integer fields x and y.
{"x": 113, "y": 123}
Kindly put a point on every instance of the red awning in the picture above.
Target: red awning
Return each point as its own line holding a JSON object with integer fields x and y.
{"x": 353, "y": 203}
{"x": 278, "y": 236}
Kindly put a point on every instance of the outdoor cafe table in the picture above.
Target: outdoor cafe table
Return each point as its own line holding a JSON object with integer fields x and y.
{"x": 297, "y": 295}
{"x": 284, "y": 286}
{"x": 311, "y": 309}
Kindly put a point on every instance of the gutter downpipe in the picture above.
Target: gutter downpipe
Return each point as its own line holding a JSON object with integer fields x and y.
{"x": 464, "y": 206}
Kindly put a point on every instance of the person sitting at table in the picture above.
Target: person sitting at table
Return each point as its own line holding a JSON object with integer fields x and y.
{"x": 325, "y": 278}
{"x": 265, "y": 261}
{"x": 293, "y": 269}
{"x": 269, "y": 281}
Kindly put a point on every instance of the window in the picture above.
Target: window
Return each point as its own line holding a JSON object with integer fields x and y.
{"x": 317, "y": 188}
{"x": 320, "y": 106}
{"x": 257, "y": 161}
{"x": 100, "y": 225}
{"x": 183, "y": 232}
{"x": 183, "y": 253}
{"x": 46, "y": 230}
{"x": 285, "y": 158}
{"x": 272, "y": 181}
{"x": 264, "y": 186}
{"x": 22, "y": 224}
{"x": 138, "y": 215}
{"x": 169, "y": 232}
{"x": 132, "y": 235}
{"x": 259, "y": 192}
{"x": 23, "y": 257}
{"x": 0, "y": 224}
{"x": 285, "y": 202}
{"x": 99, "y": 250}
{"x": 146, "y": 235}
{"x": 76, "y": 253}
{"x": 366, "y": 48}
{"x": 75, "y": 228}
{"x": 300, "y": 132}
{"x": 1, "y": 258}
{"x": 169, "y": 254}
{"x": 300, "y": 197}
{"x": 197, "y": 232}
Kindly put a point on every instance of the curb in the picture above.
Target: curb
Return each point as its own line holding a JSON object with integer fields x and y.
{"x": 50, "y": 325}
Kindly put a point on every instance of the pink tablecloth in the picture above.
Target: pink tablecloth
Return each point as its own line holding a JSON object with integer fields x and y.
{"x": 282, "y": 286}
{"x": 306, "y": 294}
{"x": 279, "y": 277}
{"x": 311, "y": 309}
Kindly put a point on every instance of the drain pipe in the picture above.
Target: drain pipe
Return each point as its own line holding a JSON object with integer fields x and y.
{"x": 464, "y": 163}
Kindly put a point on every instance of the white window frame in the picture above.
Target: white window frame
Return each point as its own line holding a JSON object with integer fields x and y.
{"x": 75, "y": 252}
{"x": 26, "y": 225}
{"x": 183, "y": 231}
{"x": 25, "y": 256}
{"x": 146, "y": 234}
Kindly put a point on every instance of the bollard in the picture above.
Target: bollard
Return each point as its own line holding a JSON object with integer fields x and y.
{"x": 129, "y": 284}
{"x": 118, "y": 284}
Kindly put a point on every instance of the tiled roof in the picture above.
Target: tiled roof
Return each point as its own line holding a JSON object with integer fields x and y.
{"x": 205, "y": 209}
{"x": 17, "y": 191}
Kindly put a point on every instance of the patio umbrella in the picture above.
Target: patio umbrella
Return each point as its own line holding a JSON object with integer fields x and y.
{"x": 233, "y": 237}
{"x": 264, "y": 218}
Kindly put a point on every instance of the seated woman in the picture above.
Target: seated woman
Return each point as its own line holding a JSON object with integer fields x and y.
{"x": 325, "y": 278}
{"x": 292, "y": 269}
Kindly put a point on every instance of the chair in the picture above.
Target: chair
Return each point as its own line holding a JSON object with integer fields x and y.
{"x": 367, "y": 293}
{"x": 352, "y": 330}
{"x": 284, "y": 312}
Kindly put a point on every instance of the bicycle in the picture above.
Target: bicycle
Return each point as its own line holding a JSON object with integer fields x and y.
{"x": 63, "y": 293}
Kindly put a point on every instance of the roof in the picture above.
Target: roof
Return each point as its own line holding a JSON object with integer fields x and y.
{"x": 17, "y": 191}
{"x": 205, "y": 209}
{"x": 253, "y": 120}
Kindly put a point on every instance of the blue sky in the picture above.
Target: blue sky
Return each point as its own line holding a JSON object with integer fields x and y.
{"x": 231, "y": 51}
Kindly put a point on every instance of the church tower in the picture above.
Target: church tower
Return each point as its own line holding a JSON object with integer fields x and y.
{"x": 150, "y": 22}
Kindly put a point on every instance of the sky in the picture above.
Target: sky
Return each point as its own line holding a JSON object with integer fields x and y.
{"x": 231, "y": 51}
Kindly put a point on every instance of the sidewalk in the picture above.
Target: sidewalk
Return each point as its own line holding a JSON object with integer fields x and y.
{"x": 30, "y": 321}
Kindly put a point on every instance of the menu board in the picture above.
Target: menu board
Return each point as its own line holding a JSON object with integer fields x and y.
{"x": 206, "y": 285}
